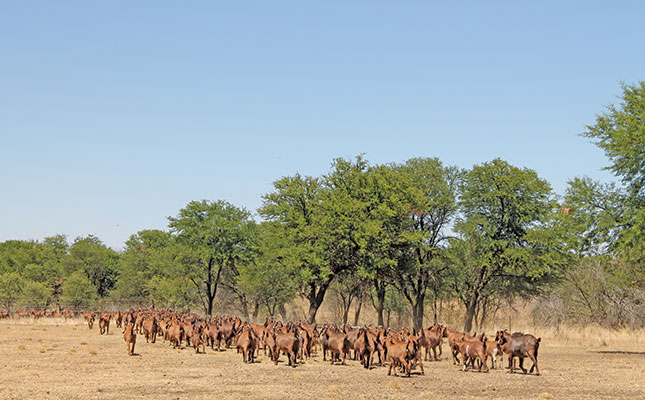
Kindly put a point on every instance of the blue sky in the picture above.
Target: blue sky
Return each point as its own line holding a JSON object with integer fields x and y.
{"x": 114, "y": 115}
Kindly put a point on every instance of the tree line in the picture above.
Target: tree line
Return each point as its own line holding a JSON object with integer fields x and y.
{"x": 397, "y": 236}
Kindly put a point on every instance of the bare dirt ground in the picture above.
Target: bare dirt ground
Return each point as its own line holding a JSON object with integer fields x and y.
{"x": 45, "y": 360}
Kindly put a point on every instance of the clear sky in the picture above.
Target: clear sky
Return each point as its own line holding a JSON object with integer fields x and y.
{"x": 114, "y": 115}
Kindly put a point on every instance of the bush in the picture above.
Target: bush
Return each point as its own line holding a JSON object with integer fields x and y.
{"x": 597, "y": 291}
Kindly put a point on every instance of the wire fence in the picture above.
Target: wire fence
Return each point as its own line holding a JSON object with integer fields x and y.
{"x": 20, "y": 306}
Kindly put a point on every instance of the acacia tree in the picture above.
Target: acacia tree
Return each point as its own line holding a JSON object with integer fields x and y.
{"x": 502, "y": 246}
{"x": 266, "y": 281}
{"x": 147, "y": 254}
{"x": 429, "y": 191}
{"x": 97, "y": 261}
{"x": 325, "y": 221}
{"x": 620, "y": 132}
{"x": 212, "y": 238}
{"x": 292, "y": 211}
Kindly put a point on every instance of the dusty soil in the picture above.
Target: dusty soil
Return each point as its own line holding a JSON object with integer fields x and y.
{"x": 69, "y": 361}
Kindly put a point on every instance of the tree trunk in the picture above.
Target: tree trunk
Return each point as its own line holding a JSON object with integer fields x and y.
{"x": 380, "y": 301}
{"x": 209, "y": 304}
{"x": 435, "y": 310}
{"x": 357, "y": 313}
{"x": 283, "y": 312}
{"x": 315, "y": 300}
{"x": 470, "y": 314}
{"x": 245, "y": 307}
{"x": 211, "y": 286}
{"x": 256, "y": 310}
{"x": 347, "y": 303}
{"x": 417, "y": 313}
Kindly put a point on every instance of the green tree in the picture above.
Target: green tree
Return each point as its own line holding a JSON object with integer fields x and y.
{"x": 36, "y": 294}
{"x": 292, "y": 210}
{"x": 11, "y": 286}
{"x": 590, "y": 217}
{"x": 98, "y": 262}
{"x": 503, "y": 246}
{"x": 78, "y": 290}
{"x": 212, "y": 239}
{"x": 147, "y": 254}
{"x": 266, "y": 281}
{"x": 430, "y": 191}
{"x": 620, "y": 132}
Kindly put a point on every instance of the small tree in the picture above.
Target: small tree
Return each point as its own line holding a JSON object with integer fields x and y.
{"x": 212, "y": 239}
{"x": 78, "y": 291}
{"x": 11, "y": 286}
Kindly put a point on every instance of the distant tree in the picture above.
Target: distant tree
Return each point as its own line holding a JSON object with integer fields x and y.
{"x": 11, "y": 286}
{"x": 36, "y": 294}
{"x": 265, "y": 281}
{"x": 147, "y": 254}
{"x": 78, "y": 290}
{"x": 97, "y": 261}
{"x": 212, "y": 239}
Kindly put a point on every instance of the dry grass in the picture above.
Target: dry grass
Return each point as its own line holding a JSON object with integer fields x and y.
{"x": 581, "y": 363}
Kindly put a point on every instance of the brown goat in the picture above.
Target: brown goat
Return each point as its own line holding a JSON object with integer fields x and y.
{"x": 287, "y": 343}
{"x": 130, "y": 338}
{"x": 472, "y": 350}
{"x": 104, "y": 323}
{"x": 246, "y": 342}
{"x": 521, "y": 346}
{"x": 338, "y": 345}
{"x": 398, "y": 354}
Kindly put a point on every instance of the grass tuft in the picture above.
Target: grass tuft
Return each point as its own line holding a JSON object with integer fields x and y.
{"x": 92, "y": 351}
{"x": 546, "y": 396}
{"x": 21, "y": 347}
{"x": 395, "y": 385}
{"x": 333, "y": 389}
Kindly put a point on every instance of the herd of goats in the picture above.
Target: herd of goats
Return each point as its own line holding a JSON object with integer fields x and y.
{"x": 402, "y": 349}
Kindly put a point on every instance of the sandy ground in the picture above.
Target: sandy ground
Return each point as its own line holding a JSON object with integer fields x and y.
{"x": 69, "y": 361}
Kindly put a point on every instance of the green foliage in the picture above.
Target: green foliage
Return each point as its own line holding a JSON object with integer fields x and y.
{"x": 293, "y": 209}
{"x": 15, "y": 254}
{"x": 175, "y": 292}
{"x": 620, "y": 132}
{"x": 267, "y": 280}
{"x": 148, "y": 254}
{"x": 98, "y": 262}
{"x": 211, "y": 240}
{"x": 504, "y": 248}
{"x": 36, "y": 294}
{"x": 425, "y": 210}
{"x": 78, "y": 291}
{"x": 591, "y": 216}
{"x": 11, "y": 285}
